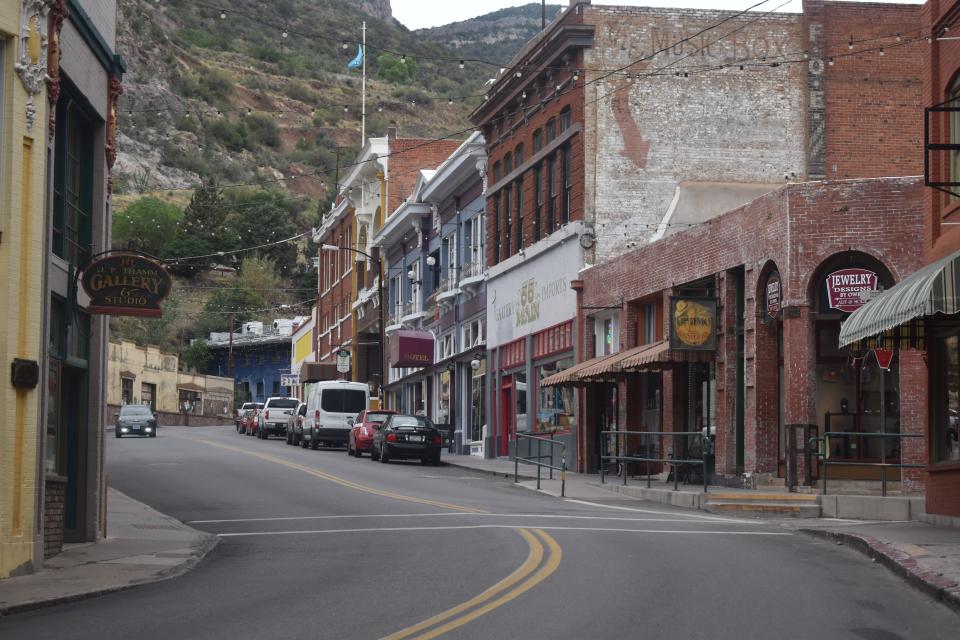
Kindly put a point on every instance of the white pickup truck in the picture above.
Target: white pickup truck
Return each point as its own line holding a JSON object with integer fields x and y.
{"x": 274, "y": 416}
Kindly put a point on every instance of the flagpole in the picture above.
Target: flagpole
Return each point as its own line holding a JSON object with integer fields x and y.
{"x": 363, "y": 99}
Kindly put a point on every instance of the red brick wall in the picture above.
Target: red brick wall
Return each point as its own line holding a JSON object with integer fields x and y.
{"x": 54, "y": 505}
{"x": 336, "y": 296}
{"x": 407, "y": 157}
{"x": 874, "y": 103}
{"x": 798, "y": 227}
{"x": 940, "y": 70}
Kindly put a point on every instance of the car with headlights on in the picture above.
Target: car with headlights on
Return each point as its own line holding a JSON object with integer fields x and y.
{"x": 405, "y": 436}
{"x": 365, "y": 425}
{"x": 136, "y": 419}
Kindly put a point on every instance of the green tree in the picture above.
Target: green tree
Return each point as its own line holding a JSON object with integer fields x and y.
{"x": 237, "y": 304}
{"x": 277, "y": 219}
{"x": 196, "y": 355}
{"x": 259, "y": 273}
{"x": 202, "y": 231}
{"x": 393, "y": 69}
{"x": 148, "y": 224}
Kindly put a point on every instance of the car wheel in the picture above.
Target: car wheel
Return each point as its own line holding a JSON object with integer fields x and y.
{"x": 153, "y": 435}
{"x": 374, "y": 456}
{"x": 303, "y": 443}
{"x": 314, "y": 444}
{"x": 384, "y": 458}
{"x": 435, "y": 459}
{"x": 118, "y": 434}
{"x": 425, "y": 461}
{"x": 357, "y": 453}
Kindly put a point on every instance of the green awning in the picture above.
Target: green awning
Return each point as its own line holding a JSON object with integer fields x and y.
{"x": 931, "y": 290}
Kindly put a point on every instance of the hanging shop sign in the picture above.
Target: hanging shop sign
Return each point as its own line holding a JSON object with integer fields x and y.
{"x": 343, "y": 361}
{"x": 774, "y": 294}
{"x": 126, "y": 284}
{"x": 693, "y": 324}
{"x": 849, "y": 289}
{"x": 411, "y": 349}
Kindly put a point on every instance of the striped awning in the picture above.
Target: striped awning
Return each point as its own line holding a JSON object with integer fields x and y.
{"x": 654, "y": 356}
{"x": 571, "y": 375}
{"x": 931, "y": 290}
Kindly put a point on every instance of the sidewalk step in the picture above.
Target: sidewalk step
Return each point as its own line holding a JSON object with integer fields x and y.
{"x": 764, "y": 509}
{"x": 762, "y": 496}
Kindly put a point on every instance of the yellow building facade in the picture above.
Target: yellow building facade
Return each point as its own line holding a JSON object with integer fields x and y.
{"x": 23, "y": 131}
{"x": 146, "y": 375}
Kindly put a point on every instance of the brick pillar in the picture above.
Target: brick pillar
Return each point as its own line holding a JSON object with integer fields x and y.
{"x": 799, "y": 372}
{"x": 54, "y": 505}
{"x": 913, "y": 418}
{"x": 763, "y": 401}
{"x": 726, "y": 377}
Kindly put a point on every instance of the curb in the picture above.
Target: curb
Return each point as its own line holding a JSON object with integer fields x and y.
{"x": 204, "y": 546}
{"x": 938, "y": 587}
{"x": 491, "y": 472}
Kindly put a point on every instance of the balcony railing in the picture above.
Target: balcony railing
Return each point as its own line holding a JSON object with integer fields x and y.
{"x": 470, "y": 269}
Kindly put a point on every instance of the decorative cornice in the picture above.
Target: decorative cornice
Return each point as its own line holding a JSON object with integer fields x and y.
{"x": 110, "y": 145}
{"x": 58, "y": 13}
{"x": 31, "y": 62}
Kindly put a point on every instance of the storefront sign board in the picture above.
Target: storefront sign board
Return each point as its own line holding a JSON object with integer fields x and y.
{"x": 125, "y": 284}
{"x": 849, "y": 289}
{"x": 411, "y": 349}
{"x": 774, "y": 294}
{"x": 534, "y": 295}
{"x": 693, "y": 324}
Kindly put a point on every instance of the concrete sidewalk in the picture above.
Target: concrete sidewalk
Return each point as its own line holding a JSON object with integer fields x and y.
{"x": 926, "y": 555}
{"x": 142, "y": 546}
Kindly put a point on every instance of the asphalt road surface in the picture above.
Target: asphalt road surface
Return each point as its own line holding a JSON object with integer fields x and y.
{"x": 316, "y": 544}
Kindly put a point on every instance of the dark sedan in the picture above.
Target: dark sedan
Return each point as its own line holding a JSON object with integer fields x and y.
{"x": 405, "y": 436}
{"x": 136, "y": 419}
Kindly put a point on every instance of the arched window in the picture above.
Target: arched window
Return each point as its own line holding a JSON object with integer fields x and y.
{"x": 507, "y": 164}
{"x": 518, "y": 155}
{"x": 537, "y": 140}
{"x": 551, "y": 129}
{"x": 496, "y": 171}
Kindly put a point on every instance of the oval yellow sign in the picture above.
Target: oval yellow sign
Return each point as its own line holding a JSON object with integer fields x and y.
{"x": 692, "y": 323}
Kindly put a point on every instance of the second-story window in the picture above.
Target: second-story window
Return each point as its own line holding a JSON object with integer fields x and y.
{"x": 73, "y": 182}
{"x": 566, "y": 203}
{"x": 507, "y": 164}
{"x": 518, "y": 196}
{"x": 507, "y": 222}
{"x": 551, "y": 193}
{"x": 537, "y": 200}
{"x": 537, "y": 140}
{"x": 496, "y": 172}
{"x": 551, "y": 129}
{"x": 496, "y": 229}
{"x": 566, "y": 118}
{"x": 518, "y": 155}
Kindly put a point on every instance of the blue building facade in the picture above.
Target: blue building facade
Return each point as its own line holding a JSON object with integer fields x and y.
{"x": 259, "y": 362}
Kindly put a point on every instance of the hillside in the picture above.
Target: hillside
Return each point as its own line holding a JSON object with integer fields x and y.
{"x": 216, "y": 90}
{"x": 495, "y": 36}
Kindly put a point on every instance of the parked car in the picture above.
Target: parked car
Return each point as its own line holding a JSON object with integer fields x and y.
{"x": 364, "y": 426}
{"x": 245, "y": 419}
{"x": 252, "y": 427}
{"x": 136, "y": 419}
{"x": 295, "y": 424}
{"x": 406, "y": 436}
{"x": 243, "y": 409}
{"x": 330, "y": 405}
{"x": 274, "y": 416}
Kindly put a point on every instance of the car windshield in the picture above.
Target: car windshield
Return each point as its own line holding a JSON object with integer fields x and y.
{"x": 343, "y": 401}
{"x": 410, "y": 421}
{"x": 378, "y": 417}
{"x": 284, "y": 403}
{"x": 135, "y": 410}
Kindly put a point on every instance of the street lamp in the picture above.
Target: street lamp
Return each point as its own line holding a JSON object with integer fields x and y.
{"x": 383, "y": 322}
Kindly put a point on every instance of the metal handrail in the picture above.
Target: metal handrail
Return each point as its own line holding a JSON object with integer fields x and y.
{"x": 536, "y": 460}
{"x": 823, "y": 452}
{"x": 673, "y": 462}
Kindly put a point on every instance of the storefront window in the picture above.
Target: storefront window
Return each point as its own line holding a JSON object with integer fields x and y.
{"x": 477, "y": 395}
{"x": 520, "y": 402}
{"x": 946, "y": 423}
{"x": 554, "y": 404}
{"x": 443, "y": 398}
{"x": 53, "y": 415}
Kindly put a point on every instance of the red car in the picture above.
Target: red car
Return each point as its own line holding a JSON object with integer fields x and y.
{"x": 250, "y": 422}
{"x": 364, "y": 426}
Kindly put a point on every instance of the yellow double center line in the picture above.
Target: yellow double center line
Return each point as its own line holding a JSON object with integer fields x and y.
{"x": 520, "y": 581}
{"x": 345, "y": 483}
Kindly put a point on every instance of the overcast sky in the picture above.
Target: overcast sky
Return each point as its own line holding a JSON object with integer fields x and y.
{"x": 416, "y": 14}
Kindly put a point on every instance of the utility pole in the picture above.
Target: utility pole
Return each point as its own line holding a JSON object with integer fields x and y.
{"x": 543, "y": 14}
{"x": 230, "y": 352}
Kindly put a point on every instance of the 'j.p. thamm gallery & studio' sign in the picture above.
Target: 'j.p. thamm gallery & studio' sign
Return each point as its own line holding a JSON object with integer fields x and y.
{"x": 125, "y": 284}
{"x": 693, "y": 324}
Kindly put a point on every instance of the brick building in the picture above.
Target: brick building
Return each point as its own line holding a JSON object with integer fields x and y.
{"x": 928, "y": 301}
{"x": 618, "y": 126}
{"x": 348, "y": 312}
{"x": 766, "y": 274}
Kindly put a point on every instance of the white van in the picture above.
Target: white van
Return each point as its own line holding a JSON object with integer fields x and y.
{"x": 330, "y": 404}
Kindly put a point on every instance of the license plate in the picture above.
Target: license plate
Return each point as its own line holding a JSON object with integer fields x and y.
{"x": 414, "y": 438}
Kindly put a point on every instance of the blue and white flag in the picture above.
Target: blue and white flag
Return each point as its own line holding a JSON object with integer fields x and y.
{"x": 356, "y": 62}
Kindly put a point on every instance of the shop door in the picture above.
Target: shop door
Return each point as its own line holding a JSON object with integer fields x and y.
{"x": 607, "y": 410}
{"x": 507, "y": 426}
{"x": 74, "y": 415}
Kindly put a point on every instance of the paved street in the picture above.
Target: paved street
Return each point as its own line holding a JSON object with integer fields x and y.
{"x": 316, "y": 544}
